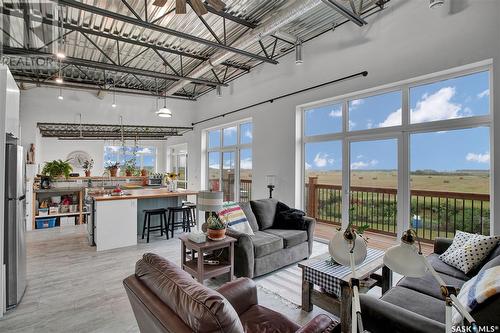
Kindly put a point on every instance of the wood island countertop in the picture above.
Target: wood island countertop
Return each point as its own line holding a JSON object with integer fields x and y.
{"x": 151, "y": 193}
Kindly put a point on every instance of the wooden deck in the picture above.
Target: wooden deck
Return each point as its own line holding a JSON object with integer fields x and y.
{"x": 375, "y": 240}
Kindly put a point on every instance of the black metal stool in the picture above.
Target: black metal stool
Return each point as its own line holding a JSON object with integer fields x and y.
{"x": 186, "y": 221}
{"x": 163, "y": 227}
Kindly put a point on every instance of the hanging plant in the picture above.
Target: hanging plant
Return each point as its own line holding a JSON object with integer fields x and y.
{"x": 57, "y": 168}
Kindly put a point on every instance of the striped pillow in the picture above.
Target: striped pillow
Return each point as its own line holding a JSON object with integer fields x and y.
{"x": 232, "y": 214}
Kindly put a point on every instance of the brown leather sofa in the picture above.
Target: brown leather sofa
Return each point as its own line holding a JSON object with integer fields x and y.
{"x": 164, "y": 298}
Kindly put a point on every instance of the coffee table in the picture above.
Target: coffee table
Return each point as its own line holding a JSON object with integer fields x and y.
{"x": 335, "y": 294}
{"x": 196, "y": 265}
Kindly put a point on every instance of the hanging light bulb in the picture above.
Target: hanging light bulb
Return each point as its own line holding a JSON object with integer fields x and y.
{"x": 218, "y": 91}
{"x": 60, "y": 97}
{"x": 60, "y": 55}
{"x": 298, "y": 52}
{"x": 114, "y": 100}
{"x": 164, "y": 112}
{"x": 59, "y": 80}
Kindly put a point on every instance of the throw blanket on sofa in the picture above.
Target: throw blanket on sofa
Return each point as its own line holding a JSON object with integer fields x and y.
{"x": 477, "y": 290}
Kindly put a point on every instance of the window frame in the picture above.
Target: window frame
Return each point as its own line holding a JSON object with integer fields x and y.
{"x": 120, "y": 156}
{"x": 400, "y": 132}
{"x": 222, "y": 149}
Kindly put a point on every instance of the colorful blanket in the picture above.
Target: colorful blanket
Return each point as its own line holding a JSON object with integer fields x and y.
{"x": 477, "y": 290}
{"x": 232, "y": 214}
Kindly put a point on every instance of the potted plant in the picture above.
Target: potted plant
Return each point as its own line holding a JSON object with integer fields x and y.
{"x": 144, "y": 173}
{"x": 216, "y": 229}
{"x": 87, "y": 165}
{"x": 56, "y": 169}
{"x": 130, "y": 167}
{"x": 113, "y": 167}
{"x": 171, "y": 180}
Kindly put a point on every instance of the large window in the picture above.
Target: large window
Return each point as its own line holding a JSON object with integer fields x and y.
{"x": 144, "y": 157}
{"x": 229, "y": 157}
{"x": 178, "y": 164}
{"x": 440, "y": 125}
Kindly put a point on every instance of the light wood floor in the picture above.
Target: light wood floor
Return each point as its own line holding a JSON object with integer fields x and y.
{"x": 375, "y": 240}
{"x": 72, "y": 288}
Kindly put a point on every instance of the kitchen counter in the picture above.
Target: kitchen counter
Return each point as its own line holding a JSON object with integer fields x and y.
{"x": 148, "y": 193}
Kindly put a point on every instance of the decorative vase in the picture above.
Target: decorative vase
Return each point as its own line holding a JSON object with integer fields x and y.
{"x": 113, "y": 172}
{"x": 87, "y": 173}
{"x": 144, "y": 172}
{"x": 216, "y": 234}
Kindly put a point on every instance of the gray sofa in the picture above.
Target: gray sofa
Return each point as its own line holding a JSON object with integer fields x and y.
{"x": 270, "y": 248}
{"x": 416, "y": 305}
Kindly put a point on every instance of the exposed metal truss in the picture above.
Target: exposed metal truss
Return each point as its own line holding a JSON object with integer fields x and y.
{"x": 72, "y": 131}
{"x": 129, "y": 42}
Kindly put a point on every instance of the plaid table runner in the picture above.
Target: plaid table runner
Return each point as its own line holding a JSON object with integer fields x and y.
{"x": 328, "y": 275}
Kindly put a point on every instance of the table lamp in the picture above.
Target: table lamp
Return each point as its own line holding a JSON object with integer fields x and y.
{"x": 271, "y": 184}
{"x": 406, "y": 259}
{"x": 207, "y": 201}
{"x": 349, "y": 249}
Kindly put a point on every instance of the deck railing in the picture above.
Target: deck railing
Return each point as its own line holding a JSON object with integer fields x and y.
{"x": 433, "y": 213}
{"x": 228, "y": 188}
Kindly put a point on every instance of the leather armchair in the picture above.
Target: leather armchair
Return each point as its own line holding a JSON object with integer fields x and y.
{"x": 164, "y": 298}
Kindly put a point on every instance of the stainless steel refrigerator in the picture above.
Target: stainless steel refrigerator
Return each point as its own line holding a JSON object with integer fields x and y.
{"x": 15, "y": 222}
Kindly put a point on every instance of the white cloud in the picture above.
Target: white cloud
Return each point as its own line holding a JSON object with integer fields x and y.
{"x": 437, "y": 106}
{"x": 393, "y": 119}
{"x": 335, "y": 113}
{"x": 145, "y": 150}
{"x": 246, "y": 163}
{"x": 308, "y": 166}
{"x": 363, "y": 165}
{"x": 478, "y": 158}
{"x": 359, "y": 156}
{"x": 369, "y": 124}
{"x": 230, "y": 130}
{"x": 321, "y": 160}
{"x": 483, "y": 93}
{"x": 249, "y": 134}
{"x": 355, "y": 103}
{"x": 352, "y": 124}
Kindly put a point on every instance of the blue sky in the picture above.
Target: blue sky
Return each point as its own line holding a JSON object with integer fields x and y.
{"x": 443, "y": 151}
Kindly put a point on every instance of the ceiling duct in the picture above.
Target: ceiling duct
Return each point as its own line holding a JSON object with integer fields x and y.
{"x": 269, "y": 25}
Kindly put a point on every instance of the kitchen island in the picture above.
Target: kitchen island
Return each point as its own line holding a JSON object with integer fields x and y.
{"x": 117, "y": 219}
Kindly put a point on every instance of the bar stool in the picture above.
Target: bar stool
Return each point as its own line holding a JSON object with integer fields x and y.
{"x": 163, "y": 227}
{"x": 187, "y": 219}
{"x": 193, "y": 211}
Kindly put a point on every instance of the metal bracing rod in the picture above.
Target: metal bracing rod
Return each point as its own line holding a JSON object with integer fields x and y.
{"x": 166, "y": 62}
{"x": 230, "y": 17}
{"x": 111, "y": 67}
{"x": 71, "y": 27}
{"x": 212, "y": 32}
{"x": 147, "y": 25}
{"x": 131, "y": 9}
{"x": 263, "y": 49}
{"x": 355, "y": 18}
{"x": 99, "y": 49}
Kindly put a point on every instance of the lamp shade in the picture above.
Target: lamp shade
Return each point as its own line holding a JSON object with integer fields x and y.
{"x": 405, "y": 260}
{"x": 339, "y": 249}
{"x": 208, "y": 201}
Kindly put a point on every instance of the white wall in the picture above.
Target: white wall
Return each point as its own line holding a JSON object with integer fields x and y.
{"x": 405, "y": 40}
{"x": 42, "y": 105}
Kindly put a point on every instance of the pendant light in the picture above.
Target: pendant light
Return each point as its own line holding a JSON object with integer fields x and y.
{"x": 298, "y": 52}
{"x": 60, "y": 97}
{"x": 164, "y": 112}
{"x": 114, "y": 99}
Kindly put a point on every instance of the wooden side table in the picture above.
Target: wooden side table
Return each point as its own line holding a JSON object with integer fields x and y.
{"x": 196, "y": 266}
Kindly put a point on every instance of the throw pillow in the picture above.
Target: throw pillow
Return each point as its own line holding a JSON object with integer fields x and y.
{"x": 265, "y": 211}
{"x": 472, "y": 253}
{"x": 459, "y": 241}
{"x": 235, "y": 218}
{"x": 289, "y": 218}
{"x": 247, "y": 209}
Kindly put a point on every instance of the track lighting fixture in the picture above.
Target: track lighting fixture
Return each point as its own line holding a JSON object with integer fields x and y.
{"x": 436, "y": 3}
{"x": 298, "y": 52}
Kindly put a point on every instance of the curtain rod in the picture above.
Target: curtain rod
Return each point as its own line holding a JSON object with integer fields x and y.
{"x": 271, "y": 100}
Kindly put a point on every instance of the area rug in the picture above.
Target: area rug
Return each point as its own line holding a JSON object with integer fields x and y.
{"x": 286, "y": 284}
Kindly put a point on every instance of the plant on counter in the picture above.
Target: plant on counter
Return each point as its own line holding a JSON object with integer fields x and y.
{"x": 130, "y": 167}
{"x": 87, "y": 166}
{"x": 113, "y": 167}
{"x": 57, "y": 168}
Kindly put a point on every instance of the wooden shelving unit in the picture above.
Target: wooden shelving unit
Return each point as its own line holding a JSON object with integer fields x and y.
{"x": 62, "y": 191}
